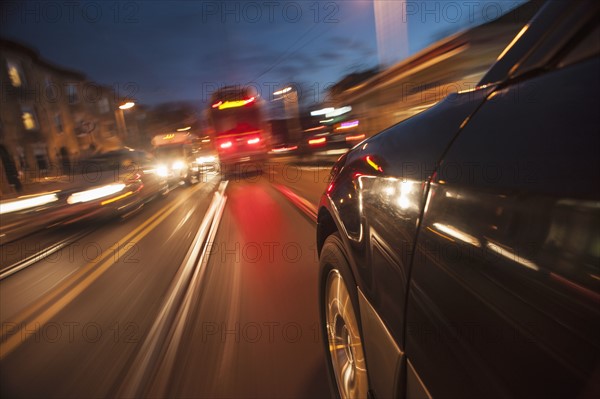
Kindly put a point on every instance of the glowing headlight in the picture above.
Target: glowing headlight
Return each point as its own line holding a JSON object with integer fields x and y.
{"x": 162, "y": 171}
{"x": 205, "y": 159}
{"x": 178, "y": 165}
{"x": 95, "y": 193}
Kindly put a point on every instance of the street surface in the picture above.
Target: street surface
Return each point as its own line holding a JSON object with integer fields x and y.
{"x": 209, "y": 292}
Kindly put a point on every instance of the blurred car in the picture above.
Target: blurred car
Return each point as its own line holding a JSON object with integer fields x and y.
{"x": 328, "y": 144}
{"x": 459, "y": 249}
{"x": 115, "y": 182}
{"x": 283, "y": 149}
{"x": 106, "y": 185}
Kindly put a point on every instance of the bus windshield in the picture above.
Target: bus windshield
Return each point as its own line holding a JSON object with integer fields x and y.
{"x": 169, "y": 151}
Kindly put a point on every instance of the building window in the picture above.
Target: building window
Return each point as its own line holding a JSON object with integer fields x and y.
{"x": 51, "y": 90}
{"x": 29, "y": 118}
{"x": 72, "y": 93}
{"x": 58, "y": 123}
{"x": 103, "y": 106}
{"x": 15, "y": 73}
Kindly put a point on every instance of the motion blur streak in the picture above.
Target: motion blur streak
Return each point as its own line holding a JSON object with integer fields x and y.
{"x": 183, "y": 285}
{"x": 301, "y": 203}
{"x": 163, "y": 376}
{"x": 58, "y": 303}
{"x": 26, "y": 203}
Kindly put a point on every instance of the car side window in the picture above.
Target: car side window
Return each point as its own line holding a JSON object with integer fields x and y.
{"x": 587, "y": 47}
{"x": 570, "y": 41}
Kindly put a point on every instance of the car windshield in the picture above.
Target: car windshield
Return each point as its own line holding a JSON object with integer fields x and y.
{"x": 168, "y": 180}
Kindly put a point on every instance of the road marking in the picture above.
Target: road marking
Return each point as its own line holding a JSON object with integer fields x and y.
{"x": 152, "y": 359}
{"x": 163, "y": 376}
{"x": 301, "y": 203}
{"x": 87, "y": 275}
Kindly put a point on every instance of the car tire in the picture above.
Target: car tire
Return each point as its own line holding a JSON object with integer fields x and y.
{"x": 338, "y": 303}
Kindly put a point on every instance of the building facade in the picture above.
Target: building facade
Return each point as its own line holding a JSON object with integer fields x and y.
{"x": 49, "y": 117}
{"x": 453, "y": 64}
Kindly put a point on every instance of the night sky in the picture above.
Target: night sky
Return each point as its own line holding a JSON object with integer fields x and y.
{"x": 182, "y": 50}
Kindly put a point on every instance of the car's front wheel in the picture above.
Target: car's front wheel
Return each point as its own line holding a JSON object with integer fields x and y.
{"x": 339, "y": 319}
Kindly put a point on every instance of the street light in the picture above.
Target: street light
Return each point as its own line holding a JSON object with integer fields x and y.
{"x": 127, "y": 105}
{"x": 282, "y": 91}
{"x": 121, "y": 117}
{"x": 322, "y": 111}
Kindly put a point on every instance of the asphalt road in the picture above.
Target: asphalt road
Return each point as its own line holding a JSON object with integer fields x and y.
{"x": 210, "y": 292}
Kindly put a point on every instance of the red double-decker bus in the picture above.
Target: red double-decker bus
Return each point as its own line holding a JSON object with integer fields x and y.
{"x": 238, "y": 126}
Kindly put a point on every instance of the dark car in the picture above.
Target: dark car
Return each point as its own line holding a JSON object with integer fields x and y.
{"x": 328, "y": 145}
{"x": 110, "y": 184}
{"x": 460, "y": 249}
{"x": 115, "y": 183}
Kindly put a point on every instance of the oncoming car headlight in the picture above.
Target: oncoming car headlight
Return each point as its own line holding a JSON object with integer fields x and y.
{"x": 178, "y": 165}
{"x": 162, "y": 171}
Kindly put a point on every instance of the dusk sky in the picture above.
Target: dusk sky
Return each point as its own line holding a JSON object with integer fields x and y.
{"x": 182, "y": 50}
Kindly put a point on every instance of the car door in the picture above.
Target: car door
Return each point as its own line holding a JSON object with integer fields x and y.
{"x": 505, "y": 286}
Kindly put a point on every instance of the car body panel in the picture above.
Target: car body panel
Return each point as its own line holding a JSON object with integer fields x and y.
{"x": 135, "y": 169}
{"x": 360, "y": 193}
{"x": 472, "y": 230}
{"x": 507, "y": 260}
{"x": 384, "y": 354}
